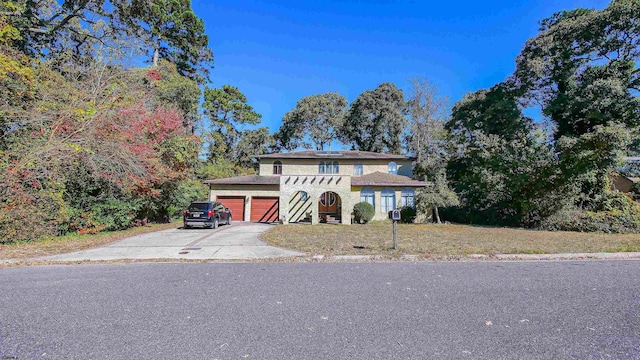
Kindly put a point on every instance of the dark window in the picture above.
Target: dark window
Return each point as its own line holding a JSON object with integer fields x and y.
{"x": 277, "y": 168}
{"x": 199, "y": 206}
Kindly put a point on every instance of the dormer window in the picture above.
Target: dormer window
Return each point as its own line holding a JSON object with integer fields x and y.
{"x": 393, "y": 168}
{"x": 357, "y": 169}
{"x": 277, "y": 168}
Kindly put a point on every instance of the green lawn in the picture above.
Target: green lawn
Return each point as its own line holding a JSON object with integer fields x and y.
{"x": 447, "y": 239}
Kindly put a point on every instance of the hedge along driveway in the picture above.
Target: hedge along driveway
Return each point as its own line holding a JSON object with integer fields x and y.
{"x": 448, "y": 239}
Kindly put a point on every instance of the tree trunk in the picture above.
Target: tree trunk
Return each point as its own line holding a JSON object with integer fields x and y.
{"x": 156, "y": 55}
{"x": 437, "y": 217}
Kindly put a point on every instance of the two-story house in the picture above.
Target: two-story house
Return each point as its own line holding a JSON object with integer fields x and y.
{"x": 316, "y": 185}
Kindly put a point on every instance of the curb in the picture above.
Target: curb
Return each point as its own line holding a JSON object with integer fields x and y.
{"x": 483, "y": 257}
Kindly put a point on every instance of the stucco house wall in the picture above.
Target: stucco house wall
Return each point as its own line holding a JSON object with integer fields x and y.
{"x": 378, "y": 214}
{"x": 310, "y": 166}
{"x": 314, "y": 186}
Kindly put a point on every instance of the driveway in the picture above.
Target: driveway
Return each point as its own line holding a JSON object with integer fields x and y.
{"x": 238, "y": 241}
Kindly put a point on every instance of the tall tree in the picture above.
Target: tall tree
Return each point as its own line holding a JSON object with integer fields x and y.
{"x": 77, "y": 27}
{"x": 426, "y": 138}
{"x": 171, "y": 30}
{"x": 375, "y": 121}
{"x": 228, "y": 112}
{"x": 500, "y": 166}
{"x": 582, "y": 70}
{"x": 317, "y": 118}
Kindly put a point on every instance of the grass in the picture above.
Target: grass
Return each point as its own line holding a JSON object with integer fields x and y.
{"x": 447, "y": 239}
{"x": 73, "y": 242}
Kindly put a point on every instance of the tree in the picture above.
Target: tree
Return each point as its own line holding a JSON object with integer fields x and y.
{"x": 375, "y": 121}
{"x": 171, "y": 30}
{"x": 73, "y": 28}
{"x": 426, "y": 138}
{"x": 16, "y": 78}
{"x": 436, "y": 194}
{"x": 95, "y": 150}
{"x": 316, "y": 117}
{"x": 582, "y": 71}
{"x": 167, "y": 87}
{"x": 228, "y": 110}
{"x": 500, "y": 166}
{"x": 252, "y": 143}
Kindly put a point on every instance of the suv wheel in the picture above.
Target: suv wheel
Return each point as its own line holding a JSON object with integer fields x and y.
{"x": 215, "y": 223}
{"x": 229, "y": 220}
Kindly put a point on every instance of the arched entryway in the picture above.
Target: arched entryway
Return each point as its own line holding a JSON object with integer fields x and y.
{"x": 330, "y": 207}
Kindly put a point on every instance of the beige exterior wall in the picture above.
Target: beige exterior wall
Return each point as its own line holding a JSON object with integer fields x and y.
{"x": 314, "y": 186}
{"x": 247, "y": 191}
{"x": 379, "y": 215}
{"x": 310, "y": 166}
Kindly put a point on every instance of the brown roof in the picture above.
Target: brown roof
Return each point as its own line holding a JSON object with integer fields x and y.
{"x": 335, "y": 154}
{"x": 383, "y": 179}
{"x": 246, "y": 180}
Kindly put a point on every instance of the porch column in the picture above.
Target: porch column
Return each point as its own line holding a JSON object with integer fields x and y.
{"x": 284, "y": 207}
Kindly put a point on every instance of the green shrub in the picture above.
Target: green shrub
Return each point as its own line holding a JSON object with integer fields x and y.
{"x": 363, "y": 212}
{"x": 407, "y": 214}
{"x": 115, "y": 214}
{"x": 625, "y": 219}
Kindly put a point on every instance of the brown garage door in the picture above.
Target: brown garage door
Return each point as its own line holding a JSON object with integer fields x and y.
{"x": 264, "y": 209}
{"x": 235, "y": 204}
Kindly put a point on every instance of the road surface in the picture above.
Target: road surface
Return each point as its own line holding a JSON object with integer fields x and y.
{"x": 482, "y": 310}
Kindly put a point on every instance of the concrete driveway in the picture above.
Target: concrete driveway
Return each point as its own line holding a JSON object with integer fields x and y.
{"x": 238, "y": 241}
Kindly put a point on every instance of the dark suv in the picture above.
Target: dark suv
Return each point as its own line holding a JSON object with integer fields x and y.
{"x": 206, "y": 214}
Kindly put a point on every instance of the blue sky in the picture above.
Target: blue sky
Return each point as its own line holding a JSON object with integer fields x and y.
{"x": 277, "y": 52}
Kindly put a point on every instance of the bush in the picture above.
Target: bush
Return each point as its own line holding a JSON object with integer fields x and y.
{"x": 363, "y": 212}
{"x": 624, "y": 219}
{"x": 407, "y": 214}
{"x": 115, "y": 214}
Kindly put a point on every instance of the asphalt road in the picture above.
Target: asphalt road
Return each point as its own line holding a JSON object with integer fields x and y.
{"x": 483, "y": 310}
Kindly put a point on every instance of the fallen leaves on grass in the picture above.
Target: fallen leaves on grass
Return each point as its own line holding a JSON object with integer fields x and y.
{"x": 441, "y": 240}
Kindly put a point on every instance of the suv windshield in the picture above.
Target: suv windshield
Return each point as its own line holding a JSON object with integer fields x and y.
{"x": 199, "y": 207}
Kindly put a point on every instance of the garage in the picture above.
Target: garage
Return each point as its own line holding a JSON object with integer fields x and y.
{"x": 235, "y": 204}
{"x": 264, "y": 209}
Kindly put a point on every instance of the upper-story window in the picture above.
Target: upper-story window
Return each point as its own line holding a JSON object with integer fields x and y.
{"x": 328, "y": 167}
{"x": 277, "y": 168}
{"x": 393, "y": 168}
{"x": 357, "y": 169}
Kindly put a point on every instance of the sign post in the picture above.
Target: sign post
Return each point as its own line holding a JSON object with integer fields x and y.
{"x": 395, "y": 216}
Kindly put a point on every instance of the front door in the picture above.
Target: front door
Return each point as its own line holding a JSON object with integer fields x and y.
{"x": 328, "y": 203}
